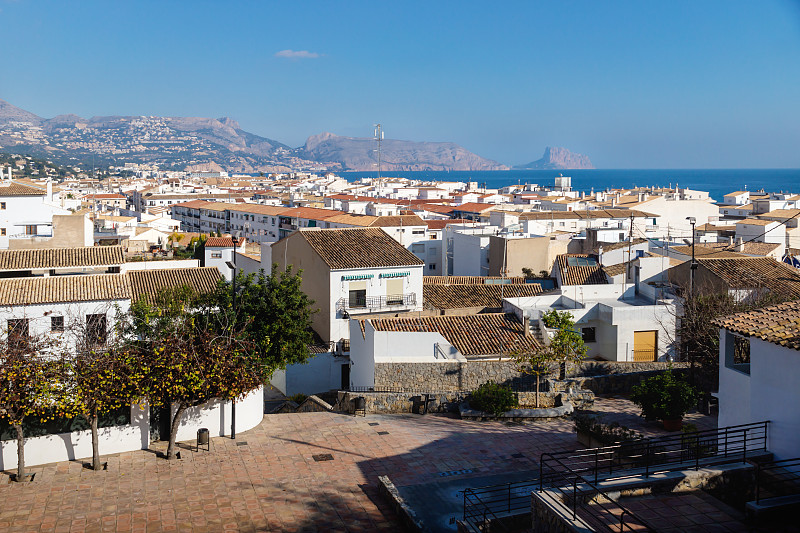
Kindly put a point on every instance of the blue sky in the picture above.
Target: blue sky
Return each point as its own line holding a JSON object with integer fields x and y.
{"x": 678, "y": 84}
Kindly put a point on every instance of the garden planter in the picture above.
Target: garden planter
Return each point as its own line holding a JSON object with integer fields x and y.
{"x": 674, "y": 424}
{"x": 585, "y": 438}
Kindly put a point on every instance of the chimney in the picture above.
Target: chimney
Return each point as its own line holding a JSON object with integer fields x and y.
{"x": 739, "y": 245}
{"x": 613, "y": 201}
{"x": 730, "y": 241}
{"x": 49, "y": 191}
{"x": 526, "y": 324}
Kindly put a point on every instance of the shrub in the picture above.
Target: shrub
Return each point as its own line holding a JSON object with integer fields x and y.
{"x": 604, "y": 433}
{"x": 493, "y": 398}
{"x": 298, "y": 398}
{"x": 664, "y": 397}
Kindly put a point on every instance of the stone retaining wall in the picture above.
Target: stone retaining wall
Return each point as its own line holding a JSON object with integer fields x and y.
{"x": 467, "y": 375}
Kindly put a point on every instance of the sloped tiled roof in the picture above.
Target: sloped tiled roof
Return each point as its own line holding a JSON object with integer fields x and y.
{"x": 438, "y": 296}
{"x": 778, "y": 324}
{"x": 580, "y": 275}
{"x": 62, "y": 289}
{"x": 219, "y": 242}
{"x": 17, "y": 189}
{"x": 468, "y": 280}
{"x": 150, "y": 282}
{"x": 705, "y": 250}
{"x": 755, "y": 272}
{"x": 53, "y": 258}
{"x": 615, "y": 270}
{"x": 471, "y": 334}
{"x": 358, "y": 248}
{"x": 402, "y": 220}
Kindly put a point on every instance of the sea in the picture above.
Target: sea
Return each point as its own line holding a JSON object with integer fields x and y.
{"x": 717, "y": 182}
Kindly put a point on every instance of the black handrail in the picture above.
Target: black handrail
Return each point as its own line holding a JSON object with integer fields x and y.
{"x": 790, "y": 476}
{"x": 635, "y": 458}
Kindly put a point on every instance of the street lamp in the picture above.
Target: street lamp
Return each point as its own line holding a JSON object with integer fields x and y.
{"x": 232, "y": 266}
{"x": 692, "y": 268}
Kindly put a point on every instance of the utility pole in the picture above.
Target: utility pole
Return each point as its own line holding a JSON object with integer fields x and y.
{"x": 630, "y": 244}
{"x": 379, "y": 138}
{"x": 692, "y": 308}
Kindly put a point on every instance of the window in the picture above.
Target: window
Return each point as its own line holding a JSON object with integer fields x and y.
{"x": 737, "y": 352}
{"x": 418, "y": 248}
{"x": 18, "y": 331}
{"x": 56, "y": 323}
{"x": 358, "y": 298}
{"x": 2, "y": 205}
{"x": 216, "y": 255}
{"x": 622, "y": 236}
{"x": 30, "y": 229}
{"x": 588, "y": 334}
{"x": 432, "y": 266}
{"x": 3, "y": 231}
{"x": 418, "y": 232}
{"x": 96, "y": 332}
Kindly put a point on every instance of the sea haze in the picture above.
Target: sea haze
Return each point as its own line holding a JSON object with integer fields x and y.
{"x": 717, "y": 182}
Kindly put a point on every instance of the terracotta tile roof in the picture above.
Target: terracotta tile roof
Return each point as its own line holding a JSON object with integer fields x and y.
{"x": 391, "y": 221}
{"x": 61, "y": 289}
{"x": 439, "y": 296}
{"x": 219, "y": 242}
{"x": 780, "y": 213}
{"x": 706, "y": 250}
{"x": 148, "y": 283}
{"x": 615, "y": 270}
{"x": 580, "y": 275}
{"x": 473, "y": 207}
{"x": 778, "y": 324}
{"x": 756, "y": 222}
{"x": 440, "y": 224}
{"x": 607, "y": 247}
{"x": 54, "y": 258}
{"x": 748, "y": 248}
{"x": 468, "y": 280}
{"x": 472, "y": 335}
{"x": 755, "y": 272}
{"x": 358, "y": 248}
{"x": 18, "y": 189}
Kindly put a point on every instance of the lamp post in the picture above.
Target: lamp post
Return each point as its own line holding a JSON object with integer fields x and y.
{"x": 232, "y": 266}
{"x": 692, "y": 268}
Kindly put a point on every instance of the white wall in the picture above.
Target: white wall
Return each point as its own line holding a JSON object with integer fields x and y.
{"x": 775, "y": 395}
{"x": 734, "y": 390}
{"x": 216, "y": 416}
{"x": 322, "y": 373}
{"x": 78, "y": 444}
{"x": 160, "y": 265}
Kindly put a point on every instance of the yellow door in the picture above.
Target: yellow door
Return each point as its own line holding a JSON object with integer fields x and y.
{"x": 644, "y": 345}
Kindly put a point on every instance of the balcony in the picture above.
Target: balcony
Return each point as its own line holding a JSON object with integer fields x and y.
{"x": 291, "y": 227}
{"x": 371, "y": 304}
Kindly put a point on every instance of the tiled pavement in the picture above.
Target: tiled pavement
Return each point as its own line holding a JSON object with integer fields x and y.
{"x": 273, "y": 483}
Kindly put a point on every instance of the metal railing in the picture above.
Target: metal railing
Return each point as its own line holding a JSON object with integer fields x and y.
{"x": 575, "y": 474}
{"x": 777, "y": 478}
{"x": 659, "y": 454}
{"x": 377, "y": 302}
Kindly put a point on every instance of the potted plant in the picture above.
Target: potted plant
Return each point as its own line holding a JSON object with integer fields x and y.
{"x": 664, "y": 397}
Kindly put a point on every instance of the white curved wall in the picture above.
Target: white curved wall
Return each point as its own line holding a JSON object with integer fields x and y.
{"x": 215, "y": 415}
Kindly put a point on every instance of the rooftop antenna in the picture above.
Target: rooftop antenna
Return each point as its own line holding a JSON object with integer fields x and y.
{"x": 379, "y": 138}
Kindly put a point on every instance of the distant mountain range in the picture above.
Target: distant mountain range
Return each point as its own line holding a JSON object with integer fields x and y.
{"x": 221, "y": 144}
{"x": 556, "y": 158}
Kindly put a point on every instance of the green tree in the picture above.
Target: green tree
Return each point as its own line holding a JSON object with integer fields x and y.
{"x": 566, "y": 346}
{"x": 534, "y": 362}
{"x": 273, "y": 312}
{"x": 29, "y": 384}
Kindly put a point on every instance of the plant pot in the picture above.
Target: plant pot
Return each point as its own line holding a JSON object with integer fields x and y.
{"x": 674, "y": 424}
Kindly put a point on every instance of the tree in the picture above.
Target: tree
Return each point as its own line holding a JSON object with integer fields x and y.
{"x": 564, "y": 347}
{"x": 100, "y": 382}
{"x": 190, "y": 354}
{"x": 274, "y": 313}
{"x": 28, "y": 383}
{"x": 567, "y": 344}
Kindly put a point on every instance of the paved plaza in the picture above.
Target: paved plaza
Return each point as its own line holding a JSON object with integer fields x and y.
{"x": 294, "y": 472}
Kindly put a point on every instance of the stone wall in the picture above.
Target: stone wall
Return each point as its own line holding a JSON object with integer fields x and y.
{"x": 456, "y": 375}
{"x": 600, "y": 376}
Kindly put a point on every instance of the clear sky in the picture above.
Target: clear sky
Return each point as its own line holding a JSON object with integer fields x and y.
{"x": 631, "y": 84}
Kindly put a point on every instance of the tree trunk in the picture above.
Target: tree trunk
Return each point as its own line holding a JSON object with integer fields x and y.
{"x": 20, "y": 452}
{"x": 95, "y": 442}
{"x": 173, "y": 430}
{"x": 537, "y": 391}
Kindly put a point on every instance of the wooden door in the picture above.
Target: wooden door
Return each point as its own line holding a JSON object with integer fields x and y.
{"x": 645, "y": 345}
